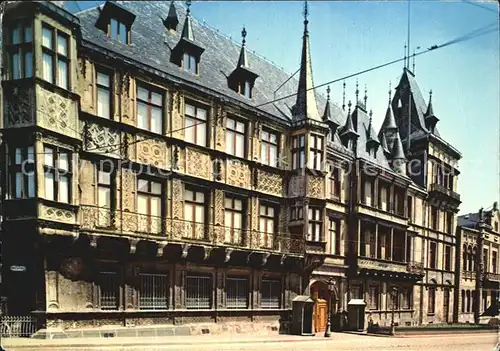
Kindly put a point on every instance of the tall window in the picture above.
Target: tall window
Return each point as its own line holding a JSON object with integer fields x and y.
{"x": 468, "y": 298}
{"x": 271, "y": 292}
{"x": 198, "y": 291}
{"x": 103, "y": 94}
{"x": 383, "y": 198}
{"x": 118, "y": 31}
{"x": 406, "y": 298}
{"x": 105, "y": 199}
{"x": 368, "y": 192}
{"x": 373, "y": 298}
{"x": 296, "y": 212}
{"x": 57, "y": 174}
{"x": 335, "y": 236}
{"x": 233, "y": 220}
{"x": 335, "y": 182}
{"x": 20, "y": 50}
{"x": 434, "y": 218}
{"x": 431, "y": 300}
{"x": 196, "y": 125}
{"x": 237, "y": 292}
{"x": 194, "y": 214}
{"x": 494, "y": 262}
{"x": 410, "y": 208}
{"x": 298, "y": 151}
{"x": 149, "y": 206}
{"x": 246, "y": 89}
{"x": 432, "y": 254}
{"x": 22, "y": 172}
{"x": 316, "y": 152}
{"x": 315, "y": 222}
{"x": 393, "y": 300}
{"x": 149, "y": 110}
{"x": 109, "y": 290}
{"x": 269, "y": 148}
{"x": 153, "y": 291}
{"x": 449, "y": 222}
{"x": 463, "y": 301}
{"x": 447, "y": 258}
{"x": 190, "y": 63}
{"x": 235, "y": 137}
{"x": 55, "y": 57}
{"x": 267, "y": 225}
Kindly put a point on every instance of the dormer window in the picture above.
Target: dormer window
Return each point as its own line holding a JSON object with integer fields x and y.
{"x": 242, "y": 78}
{"x": 118, "y": 31}
{"x": 190, "y": 63}
{"x": 246, "y": 89}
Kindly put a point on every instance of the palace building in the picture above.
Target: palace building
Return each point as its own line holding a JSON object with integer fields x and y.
{"x": 156, "y": 172}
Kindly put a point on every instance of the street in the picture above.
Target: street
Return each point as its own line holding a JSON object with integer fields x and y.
{"x": 338, "y": 342}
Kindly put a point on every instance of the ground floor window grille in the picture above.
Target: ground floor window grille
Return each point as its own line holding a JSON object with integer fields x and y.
{"x": 271, "y": 291}
{"x": 153, "y": 291}
{"x": 198, "y": 292}
{"x": 237, "y": 292}
{"x": 109, "y": 290}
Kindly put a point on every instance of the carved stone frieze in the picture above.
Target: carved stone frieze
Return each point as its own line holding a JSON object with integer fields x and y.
{"x": 254, "y": 205}
{"x": 198, "y": 164}
{"x": 128, "y": 115}
{"x": 128, "y": 193}
{"x": 18, "y": 107}
{"x": 238, "y": 174}
{"x": 316, "y": 187}
{"x": 151, "y": 152}
{"x": 102, "y": 140}
{"x": 56, "y": 112}
{"x": 219, "y": 207}
{"x": 177, "y": 115}
{"x": 57, "y": 214}
{"x": 177, "y": 208}
{"x": 270, "y": 183}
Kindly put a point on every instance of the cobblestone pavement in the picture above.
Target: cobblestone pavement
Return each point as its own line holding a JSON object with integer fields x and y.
{"x": 338, "y": 342}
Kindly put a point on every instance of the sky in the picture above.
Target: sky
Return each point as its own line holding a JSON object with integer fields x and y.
{"x": 350, "y": 36}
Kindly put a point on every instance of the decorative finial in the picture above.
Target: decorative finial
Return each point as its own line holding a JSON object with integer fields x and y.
{"x": 328, "y": 93}
{"x": 371, "y": 115}
{"x": 349, "y": 104}
{"x": 390, "y": 92}
{"x": 405, "y": 56}
{"x": 188, "y": 5}
{"x": 366, "y": 95}
{"x": 305, "y": 12}
{"x": 430, "y": 95}
{"x": 357, "y": 91}
{"x": 343, "y": 96}
{"x": 413, "y": 68}
{"x": 244, "y": 35}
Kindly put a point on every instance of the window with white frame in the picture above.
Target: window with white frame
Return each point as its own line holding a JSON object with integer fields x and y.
{"x": 194, "y": 213}
{"x": 108, "y": 290}
{"x": 103, "y": 82}
{"x": 368, "y": 192}
{"x": 105, "y": 195}
{"x": 269, "y": 148}
{"x": 190, "y": 63}
{"x": 198, "y": 291}
{"x": 235, "y": 137}
{"x": 118, "y": 31}
{"x": 270, "y": 293}
{"x": 267, "y": 225}
{"x": 57, "y": 168}
{"x": 55, "y": 57}
{"x": 22, "y": 172}
{"x": 316, "y": 152}
{"x": 153, "y": 291}
{"x": 237, "y": 292}
{"x": 196, "y": 124}
{"x": 298, "y": 151}
{"x": 233, "y": 220}
{"x": 149, "y": 206}
{"x": 383, "y": 197}
{"x": 149, "y": 110}
{"x": 20, "y": 50}
{"x": 315, "y": 223}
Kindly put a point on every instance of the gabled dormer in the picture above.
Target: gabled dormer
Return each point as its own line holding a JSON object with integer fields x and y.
{"x": 242, "y": 79}
{"x": 348, "y": 134}
{"x": 116, "y": 22}
{"x": 333, "y": 124}
{"x": 187, "y": 53}
{"x": 430, "y": 119}
{"x": 172, "y": 20}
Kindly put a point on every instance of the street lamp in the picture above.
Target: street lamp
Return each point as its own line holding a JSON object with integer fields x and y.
{"x": 331, "y": 288}
{"x": 394, "y": 297}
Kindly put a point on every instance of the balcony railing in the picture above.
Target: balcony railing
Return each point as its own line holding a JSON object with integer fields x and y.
{"x": 493, "y": 277}
{"x": 106, "y": 220}
{"x": 441, "y": 189}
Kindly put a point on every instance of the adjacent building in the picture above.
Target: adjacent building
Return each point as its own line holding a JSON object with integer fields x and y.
{"x": 156, "y": 172}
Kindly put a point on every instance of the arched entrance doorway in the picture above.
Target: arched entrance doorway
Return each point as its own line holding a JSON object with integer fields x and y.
{"x": 320, "y": 295}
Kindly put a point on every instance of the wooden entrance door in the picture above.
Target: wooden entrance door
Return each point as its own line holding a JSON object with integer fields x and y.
{"x": 446, "y": 306}
{"x": 320, "y": 315}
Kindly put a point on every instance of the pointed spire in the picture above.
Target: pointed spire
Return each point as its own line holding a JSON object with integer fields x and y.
{"x": 366, "y": 96}
{"x": 383, "y": 143}
{"x": 306, "y": 106}
{"x": 343, "y": 96}
{"x": 397, "y": 150}
{"x": 349, "y": 126}
{"x": 389, "y": 120}
{"x": 327, "y": 114}
{"x": 172, "y": 19}
{"x": 243, "y": 61}
{"x": 187, "y": 29}
{"x": 430, "y": 118}
{"x": 371, "y": 138}
{"x": 357, "y": 93}
{"x": 430, "y": 110}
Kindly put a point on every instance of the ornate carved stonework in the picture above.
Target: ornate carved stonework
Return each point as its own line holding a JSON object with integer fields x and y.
{"x": 52, "y": 288}
{"x": 219, "y": 207}
{"x": 86, "y": 182}
{"x": 177, "y": 115}
{"x": 18, "y": 107}
{"x": 72, "y": 267}
{"x": 56, "y": 112}
{"x": 256, "y": 141}
{"x": 57, "y": 214}
{"x": 128, "y": 190}
{"x": 297, "y": 186}
{"x": 283, "y": 220}
{"x": 151, "y": 152}
{"x": 316, "y": 187}
{"x": 238, "y": 174}
{"x": 177, "y": 208}
{"x": 270, "y": 183}
{"x": 102, "y": 140}
{"x": 128, "y": 115}
{"x": 198, "y": 164}
{"x": 254, "y": 205}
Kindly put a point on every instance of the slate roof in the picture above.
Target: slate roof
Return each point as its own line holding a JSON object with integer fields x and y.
{"x": 152, "y": 44}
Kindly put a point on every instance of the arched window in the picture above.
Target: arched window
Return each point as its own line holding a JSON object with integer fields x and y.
{"x": 431, "y": 300}
{"x": 464, "y": 257}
